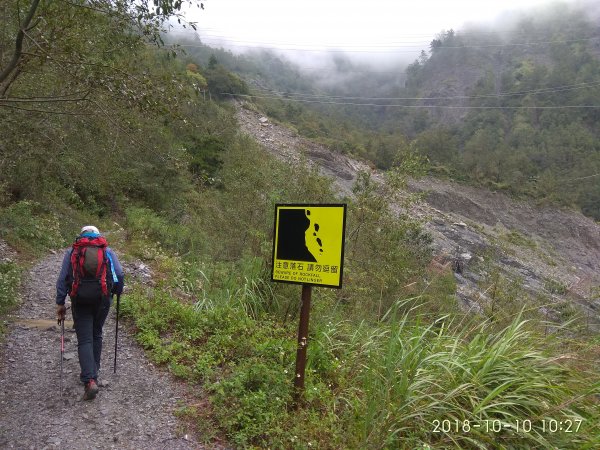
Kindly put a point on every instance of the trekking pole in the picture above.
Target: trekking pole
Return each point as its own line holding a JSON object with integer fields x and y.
{"x": 117, "y": 332}
{"x": 62, "y": 353}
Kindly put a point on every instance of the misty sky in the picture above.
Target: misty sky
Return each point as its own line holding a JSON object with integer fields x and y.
{"x": 356, "y": 27}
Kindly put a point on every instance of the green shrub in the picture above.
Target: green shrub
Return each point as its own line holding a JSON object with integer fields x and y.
{"x": 252, "y": 402}
{"x": 29, "y": 226}
{"x": 516, "y": 238}
{"x": 10, "y": 279}
{"x": 555, "y": 287}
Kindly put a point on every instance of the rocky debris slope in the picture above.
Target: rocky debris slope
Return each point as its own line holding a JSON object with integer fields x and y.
{"x": 138, "y": 271}
{"x": 550, "y": 251}
{"x": 287, "y": 145}
{"x": 134, "y": 408}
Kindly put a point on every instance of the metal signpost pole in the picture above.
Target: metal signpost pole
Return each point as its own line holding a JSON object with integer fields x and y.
{"x": 302, "y": 344}
{"x": 308, "y": 249}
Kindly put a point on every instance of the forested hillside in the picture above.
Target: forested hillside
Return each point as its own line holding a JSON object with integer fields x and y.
{"x": 101, "y": 123}
{"x": 514, "y": 107}
{"x": 94, "y": 115}
{"x": 531, "y": 94}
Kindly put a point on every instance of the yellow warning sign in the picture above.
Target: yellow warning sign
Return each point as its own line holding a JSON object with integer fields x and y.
{"x": 308, "y": 244}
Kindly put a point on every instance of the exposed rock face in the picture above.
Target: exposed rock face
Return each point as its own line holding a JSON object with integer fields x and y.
{"x": 541, "y": 247}
{"x": 541, "y": 243}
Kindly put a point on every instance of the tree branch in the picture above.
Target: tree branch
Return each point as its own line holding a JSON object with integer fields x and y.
{"x": 14, "y": 62}
{"x": 47, "y": 111}
{"x": 43, "y": 99}
{"x": 102, "y": 11}
{"x": 122, "y": 130}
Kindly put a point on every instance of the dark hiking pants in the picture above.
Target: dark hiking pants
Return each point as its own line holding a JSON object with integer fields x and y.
{"x": 89, "y": 320}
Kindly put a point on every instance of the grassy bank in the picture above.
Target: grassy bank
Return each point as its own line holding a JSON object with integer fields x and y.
{"x": 382, "y": 372}
{"x": 402, "y": 382}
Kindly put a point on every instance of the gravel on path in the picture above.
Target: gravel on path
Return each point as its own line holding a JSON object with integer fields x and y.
{"x": 133, "y": 410}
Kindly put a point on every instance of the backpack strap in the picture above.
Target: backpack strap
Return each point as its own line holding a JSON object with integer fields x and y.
{"x": 100, "y": 257}
{"x": 101, "y": 272}
{"x": 112, "y": 268}
{"x": 75, "y": 268}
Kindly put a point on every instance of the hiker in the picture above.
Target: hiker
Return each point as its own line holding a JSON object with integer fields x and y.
{"x": 90, "y": 273}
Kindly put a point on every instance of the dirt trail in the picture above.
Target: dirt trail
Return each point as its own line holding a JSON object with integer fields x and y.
{"x": 133, "y": 410}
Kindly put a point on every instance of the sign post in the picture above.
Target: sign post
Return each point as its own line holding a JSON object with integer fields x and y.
{"x": 302, "y": 342}
{"x": 308, "y": 249}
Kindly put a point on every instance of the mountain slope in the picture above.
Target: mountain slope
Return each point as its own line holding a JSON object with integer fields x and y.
{"x": 514, "y": 107}
{"x": 554, "y": 253}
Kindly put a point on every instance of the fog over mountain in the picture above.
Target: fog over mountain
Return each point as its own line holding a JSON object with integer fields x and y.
{"x": 376, "y": 32}
{"x": 337, "y": 62}
{"x": 511, "y": 103}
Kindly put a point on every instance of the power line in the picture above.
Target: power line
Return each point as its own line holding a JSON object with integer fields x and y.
{"x": 564, "y": 88}
{"x": 396, "y": 44}
{"x": 295, "y": 43}
{"x": 295, "y": 66}
{"x": 520, "y": 44}
{"x": 321, "y": 50}
{"x": 472, "y": 29}
{"x": 209, "y": 32}
{"x": 388, "y": 49}
{"x": 411, "y": 106}
{"x": 581, "y": 178}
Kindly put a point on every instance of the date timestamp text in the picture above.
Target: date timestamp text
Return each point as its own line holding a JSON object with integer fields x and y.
{"x": 497, "y": 426}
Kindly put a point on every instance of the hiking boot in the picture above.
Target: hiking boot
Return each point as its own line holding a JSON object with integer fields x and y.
{"x": 91, "y": 389}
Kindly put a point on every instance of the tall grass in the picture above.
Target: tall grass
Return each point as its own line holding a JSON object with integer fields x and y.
{"x": 432, "y": 384}
{"x": 402, "y": 382}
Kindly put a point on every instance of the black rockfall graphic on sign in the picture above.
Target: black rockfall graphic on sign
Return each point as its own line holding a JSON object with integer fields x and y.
{"x": 291, "y": 240}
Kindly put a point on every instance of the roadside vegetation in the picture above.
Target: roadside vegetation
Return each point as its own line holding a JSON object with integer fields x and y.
{"x": 393, "y": 360}
{"x": 10, "y": 279}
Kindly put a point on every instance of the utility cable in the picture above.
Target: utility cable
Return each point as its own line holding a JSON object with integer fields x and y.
{"x": 424, "y": 38}
{"x": 388, "y": 49}
{"x": 564, "y": 88}
{"x": 209, "y": 32}
{"x": 411, "y": 106}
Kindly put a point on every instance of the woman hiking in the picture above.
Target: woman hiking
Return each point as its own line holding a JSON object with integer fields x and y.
{"x": 90, "y": 273}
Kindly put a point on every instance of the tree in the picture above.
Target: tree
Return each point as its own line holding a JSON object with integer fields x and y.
{"x": 81, "y": 80}
{"x": 221, "y": 82}
{"x": 11, "y": 70}
{"x": 60, "y": 35}
{"x": 212, "y": 61}
{"x": 439, "y": 145}
{"x": 435, "y": 45}
{"x": 590, "y": 200}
